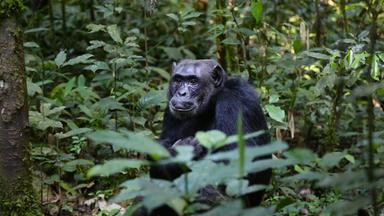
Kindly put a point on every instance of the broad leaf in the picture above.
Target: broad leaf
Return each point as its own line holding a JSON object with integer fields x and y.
{"x": 130, "y": 141}
{"x": 275, "y": 112}
{"x": 210, "y": 139}
{"x": 79, "y": 59}
{"x": 60, "y": 58}
{"x": 71, "y": 165}
{"x": 73, "y": 132}
{"x": 115, "y": 166}
{"x": 114, "y": 32}
{"x": 257, "y": 10}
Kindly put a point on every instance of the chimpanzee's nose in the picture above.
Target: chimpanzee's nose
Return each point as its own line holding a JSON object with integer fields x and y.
{"x": 182, "y": 93}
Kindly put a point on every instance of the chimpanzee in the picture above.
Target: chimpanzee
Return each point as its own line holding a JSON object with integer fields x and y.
{"x": 202, "y": 97}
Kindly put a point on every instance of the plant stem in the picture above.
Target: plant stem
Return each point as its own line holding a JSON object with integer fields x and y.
{"x": 220, "y": 48}
{"x": 371, "y": 116}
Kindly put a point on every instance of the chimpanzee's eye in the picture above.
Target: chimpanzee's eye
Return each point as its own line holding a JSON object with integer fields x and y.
{"x": 193, "y": 81}
{"x": 177, "y": 79}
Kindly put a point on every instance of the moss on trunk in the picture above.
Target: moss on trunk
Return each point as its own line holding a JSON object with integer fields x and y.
{"x": 17, "y": 196}
{"x": 18, "y": 199}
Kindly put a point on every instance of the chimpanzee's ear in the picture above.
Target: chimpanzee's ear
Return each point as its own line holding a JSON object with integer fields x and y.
{"x": 173, "y": 66}
{"x": 218, "y": 75}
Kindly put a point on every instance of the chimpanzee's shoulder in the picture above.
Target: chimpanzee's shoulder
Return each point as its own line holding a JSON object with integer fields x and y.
{"x": 240, "y": 89}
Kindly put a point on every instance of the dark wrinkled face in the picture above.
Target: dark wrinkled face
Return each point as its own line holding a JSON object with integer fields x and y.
{"x": 193, "y": 84}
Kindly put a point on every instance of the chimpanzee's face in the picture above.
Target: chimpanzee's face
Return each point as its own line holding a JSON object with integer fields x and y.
{"x": 192, "y": 86}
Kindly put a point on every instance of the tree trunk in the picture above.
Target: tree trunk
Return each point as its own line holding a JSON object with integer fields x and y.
{"x": 16, "y": 193}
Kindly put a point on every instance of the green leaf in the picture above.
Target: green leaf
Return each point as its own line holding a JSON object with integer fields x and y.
{"x": 233, "y": 186}
{"x": 41, "y": 122}
{"x": 73, "y": 132}
{"x": 240, "y": 144}
{"x": 192, "y": 14}
{"x": 163, "y": 73}
{"x": 265, "y": 164}
{"x": 99, "y": 65}
{"x": 251, "y": 152}
{"x": 231, "y": 41}
{"x": 60, "y": 58}
{"x": 232, "y": 208}
{"x": 173, "y": 53}
{"x": 297, "y": 46}
{"x": 307, "y": 176}
{"x": 375, "y": 70}
{"x": 350, "y": 158}
{"x": 130, "y": 141}
{"x": 177, "y": 204}
{"x": 258, "y": 211}
{"x": 95, "y": 44}
{"x": 56, "y": 110}
{"x": 235, "y": 138}
{"x": 203, "y": 173}
{"x": 275, "y": 112}
{"x": 189, "y": 23}
{"x": 79, "y": 59}
{"x": 317, "y": 55}
{"x": 210, "y": 139}
{"x": 86, "y": 110}
{"x": 331, "y": 159}
{"x": 114, "y": 32}
{"x": 115, "y": 166}
{"x": 31, "y": 44}
{"x": 301, "y": 155}
{"x": 69, "y": 86}
{"x": 33, "y": 88}
{"x": 173, "y": 16}
{"x": 344, "y": 207}
{"x": 95, "y": 28}
{"x": 273, "y": 98}
{"x": 257, "y": 10}
{"x": 153, "y": 98}
{"x": 71, "y": 165}
{"x": 130, "y": 42}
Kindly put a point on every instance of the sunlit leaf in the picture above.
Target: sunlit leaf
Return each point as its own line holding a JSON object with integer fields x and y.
{"x": 331, "y": 159}
{"x": 275, "y": 112}
{"x": 60, "y": 58}
{"x": 79, "y": 59}
{"x": 31, "y": 44}
{"x": 173, "y": 16}
{"x": 114, "y": 166}
{"x": 231, "y": 41}
{"x": 301, "y": 155}
{"x": 114, "y": 32}
{"x": 163, "y": 73}
{"x": 153, "y": 98}
{"x": 130, "y": 141}
{"x": 33, "y": 88}
{"x": 375, "y": 70}
{"x": 315, "y": 55}
{"x": 257, "y": 10}
{"x": 37, "y": 120}
{"x": 71, "y": 165}
{"x": 211, "y": 138}
{"x": 73, "y": 132}
{"x": 95, "y": 27}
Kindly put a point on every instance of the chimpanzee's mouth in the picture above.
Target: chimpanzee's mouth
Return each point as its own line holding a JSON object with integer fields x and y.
{"x": 188, "y": 109}
{"x": 181, "y": 109}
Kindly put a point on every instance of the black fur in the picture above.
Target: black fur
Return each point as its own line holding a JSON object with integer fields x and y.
{"x": 237, "y": 95}
{"x": 234, "y": 96}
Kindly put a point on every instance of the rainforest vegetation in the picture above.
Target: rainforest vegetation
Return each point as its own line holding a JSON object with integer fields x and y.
{"x": 83, "y": 90}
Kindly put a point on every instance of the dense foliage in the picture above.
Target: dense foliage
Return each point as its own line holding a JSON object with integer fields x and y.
{"x": 97, "y": 77}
